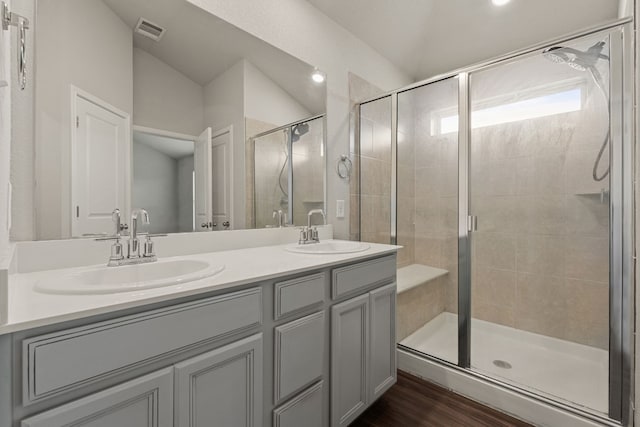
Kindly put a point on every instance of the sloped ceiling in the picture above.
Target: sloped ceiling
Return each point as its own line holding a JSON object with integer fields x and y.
{"x": 428, "y": 37}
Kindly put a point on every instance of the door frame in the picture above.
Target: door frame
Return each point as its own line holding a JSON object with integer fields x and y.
{"x": 76, "y": 94}
{"x": 215, "y": 134}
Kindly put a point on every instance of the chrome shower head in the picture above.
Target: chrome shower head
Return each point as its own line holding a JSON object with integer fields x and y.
{"x": 298, "y": 130}
{"x": 576, "y": 59}
{"x": 556, "y": 54}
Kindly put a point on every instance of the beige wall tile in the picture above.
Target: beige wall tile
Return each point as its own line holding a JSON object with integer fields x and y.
{"x": 587, "y": 258}
{"x": 496, "y": 250}
{"x": 587, "y": 216}
{"x": 418, "y": 306}
{"x": 541, "y": 254}
{"x": 588, "y": 312}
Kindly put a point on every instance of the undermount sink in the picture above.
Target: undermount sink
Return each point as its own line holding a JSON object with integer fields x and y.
{"x": 107, "y": 280}
{"x": 329, "y": 247}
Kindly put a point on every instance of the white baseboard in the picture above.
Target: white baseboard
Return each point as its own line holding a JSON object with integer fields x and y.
{"x": 502, "y": 399}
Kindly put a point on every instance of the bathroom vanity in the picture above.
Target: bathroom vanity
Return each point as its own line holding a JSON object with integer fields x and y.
{"x": 299, "y": 340}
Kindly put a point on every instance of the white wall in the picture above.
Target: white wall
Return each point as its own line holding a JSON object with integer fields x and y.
{"x": 22, "y": 174}
{"x": 224, "y": 106}
{"x": 164, "y": 98}
{"x": 79, "y": 42}
{"x": 264, "y": 100}
{"x": 301, "y": 30}
{"x": 6, "y": 61}
{"x": 155, "y": 187}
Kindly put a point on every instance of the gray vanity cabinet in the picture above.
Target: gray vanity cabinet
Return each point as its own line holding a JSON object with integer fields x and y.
{"x": 143, "y": 402}
{"x": 222, "y": 387}
{"x": 363, "y": 363}
{"x": 349, "y": 352}
{"x": 325, "y": 353}
{"x": 382, "y": 360}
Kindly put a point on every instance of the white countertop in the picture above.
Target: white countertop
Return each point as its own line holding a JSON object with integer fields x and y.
{"x": 28, "y": 308}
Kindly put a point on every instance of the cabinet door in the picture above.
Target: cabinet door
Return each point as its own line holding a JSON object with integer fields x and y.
{"x": 349, "y": 353}
{"x": 298, "y": 354}
{"x": 222, "y": 387}
{"x": 143, "y": 402}
{"x": 305, "y": 409}
{"x": 382, "y": 367}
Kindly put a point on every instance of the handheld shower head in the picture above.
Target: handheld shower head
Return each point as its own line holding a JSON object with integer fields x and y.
{"x": 298, "y": 130}
{"x": 556, "y": 54}
{"x": 585, "y": 61}
{"x": 576, "y": 59}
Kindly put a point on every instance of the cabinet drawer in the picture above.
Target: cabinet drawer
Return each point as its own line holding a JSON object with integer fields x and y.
{"x": 350, "y": 279}
{"x": 297, "y": 294}
{"x": 306, "y": 409}
{"x": 299, "y": 354}
{"x": 143, "y": 402}
{"x": 64, "y": 360}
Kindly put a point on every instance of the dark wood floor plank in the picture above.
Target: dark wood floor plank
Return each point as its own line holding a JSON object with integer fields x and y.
{"x": 413, "y": 402}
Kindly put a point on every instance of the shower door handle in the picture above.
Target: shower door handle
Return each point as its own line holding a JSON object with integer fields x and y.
{"x": 472, "y": 223}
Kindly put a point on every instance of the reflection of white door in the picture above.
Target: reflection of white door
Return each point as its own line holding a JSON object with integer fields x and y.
{"x": 202, "y": 168}
{"x": 99, "y": 170}
{"x": 221, "y": 154}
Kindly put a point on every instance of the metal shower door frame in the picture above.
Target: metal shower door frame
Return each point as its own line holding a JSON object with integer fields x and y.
{"x": 622, "y": 224}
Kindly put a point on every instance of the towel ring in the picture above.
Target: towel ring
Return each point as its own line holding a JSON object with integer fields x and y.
{"x": 344, "y": 167}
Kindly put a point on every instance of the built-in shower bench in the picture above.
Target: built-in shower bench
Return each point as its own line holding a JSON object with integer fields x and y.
{"x": 417, "y": 274}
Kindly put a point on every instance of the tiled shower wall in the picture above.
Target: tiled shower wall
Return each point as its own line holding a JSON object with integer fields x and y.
{"x": 264, "y": 174}
{"x": 270, "y": 153}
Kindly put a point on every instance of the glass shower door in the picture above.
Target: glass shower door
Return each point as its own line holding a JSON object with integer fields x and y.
{"x": 539, "y": 191}
{"x": 427, "y": 219}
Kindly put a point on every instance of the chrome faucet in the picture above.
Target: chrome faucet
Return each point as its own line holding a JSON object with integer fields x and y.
{"x": 134, "y": 243}
{"x": 308, "y": 234}
{"x": 117, "y": 257}
{"x": 279, "y": 216}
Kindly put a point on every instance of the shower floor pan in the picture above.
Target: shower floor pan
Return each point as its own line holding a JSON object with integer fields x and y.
{"x": 548, "y": 366}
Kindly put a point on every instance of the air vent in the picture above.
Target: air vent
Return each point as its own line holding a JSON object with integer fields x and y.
{"x": 149, "y": 29}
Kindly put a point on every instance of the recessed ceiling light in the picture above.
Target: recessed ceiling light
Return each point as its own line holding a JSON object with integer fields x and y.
{"x": 317, "y": 76}
{"x": 500, "y": 2}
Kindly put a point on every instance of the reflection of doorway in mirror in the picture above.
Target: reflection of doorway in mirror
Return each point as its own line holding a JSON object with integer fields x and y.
{"x": 163, "y": 179}
{"x": 99, "y": 173}
{"x": 222, "y": 179}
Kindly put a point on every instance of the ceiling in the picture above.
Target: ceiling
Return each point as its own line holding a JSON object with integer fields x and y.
{"x": 172, "y": 147}
{"x": 198, "y": 45}
{"x": 428, "y": 37}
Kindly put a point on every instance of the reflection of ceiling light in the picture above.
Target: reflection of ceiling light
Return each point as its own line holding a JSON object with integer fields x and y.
{"x": 500, "y": 2}
{"x": 317, "y": 76}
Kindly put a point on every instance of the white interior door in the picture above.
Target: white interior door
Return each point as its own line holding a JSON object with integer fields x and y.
{"x": 99, "y": 165}
{"x": 203, "y": 179}
{"x": 221, "y": 155}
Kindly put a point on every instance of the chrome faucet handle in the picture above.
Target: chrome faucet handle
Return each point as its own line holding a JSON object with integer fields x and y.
{"x": 304, "y": 236}
{"x": 115, "y": 216}
{"x": 314, "y": 234}
{"x": 148, "y": 247}
{"x": 117, "y": 253}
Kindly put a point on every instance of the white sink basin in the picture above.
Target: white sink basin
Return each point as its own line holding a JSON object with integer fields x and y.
{"x": 107, "y": 280}
{"x": 329, "y": 247}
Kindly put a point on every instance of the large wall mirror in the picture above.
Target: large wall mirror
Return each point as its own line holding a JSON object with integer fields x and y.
{"x": 163, "y": 106}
